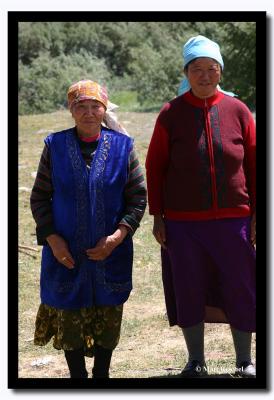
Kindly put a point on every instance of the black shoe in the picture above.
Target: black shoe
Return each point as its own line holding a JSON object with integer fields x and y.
{"x": 194, "y": 369}
{"x": 246, "y": 370}
{"x": 99, "y": 376}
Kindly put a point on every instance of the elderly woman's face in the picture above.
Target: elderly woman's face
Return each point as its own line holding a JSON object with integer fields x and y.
{"x": 88, "y": 115}
{"x": 204, "y": 75}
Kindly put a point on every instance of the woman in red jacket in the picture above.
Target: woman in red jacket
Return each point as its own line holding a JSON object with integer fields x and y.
{"x": 201, "y": 191}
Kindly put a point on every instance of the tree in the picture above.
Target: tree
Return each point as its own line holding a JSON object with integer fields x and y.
{"x": 240, "y": 60}
{"x": 144, "y": 57}
{"x": 43, "y": 87}
{"x": 156, "y": 76}
{"x": 39, "y": 37}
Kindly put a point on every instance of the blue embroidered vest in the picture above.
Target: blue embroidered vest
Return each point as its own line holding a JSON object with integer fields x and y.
{"x": 87, "y": 204}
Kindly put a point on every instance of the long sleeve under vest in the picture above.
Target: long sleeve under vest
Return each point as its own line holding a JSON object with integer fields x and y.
{"x": 40, "y": 200}
{"x": 201, "y": 162}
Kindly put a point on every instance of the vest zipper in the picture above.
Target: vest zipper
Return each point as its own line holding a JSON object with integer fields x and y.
{"x": 211, "y": 158}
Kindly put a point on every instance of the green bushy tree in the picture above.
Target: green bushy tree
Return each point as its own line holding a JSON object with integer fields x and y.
{"x": 240, "y": 60}
{"x": 43, "y": 86}
{"x": 142, "y": 57}
{"x": 156, "y": 76}
{"x": 39, "y": 37}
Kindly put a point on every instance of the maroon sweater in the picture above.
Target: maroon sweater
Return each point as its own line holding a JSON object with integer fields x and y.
{"x": 201, "y": 159}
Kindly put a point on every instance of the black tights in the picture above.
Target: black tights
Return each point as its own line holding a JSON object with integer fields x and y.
{"x": 77, "y": 365}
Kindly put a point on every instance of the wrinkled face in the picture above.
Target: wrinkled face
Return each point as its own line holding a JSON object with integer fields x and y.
{"x": 88, "y": 115}
{"x": 203, "y": 74}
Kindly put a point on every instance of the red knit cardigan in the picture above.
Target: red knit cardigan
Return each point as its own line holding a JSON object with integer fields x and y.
{"x": 201, "y": 159}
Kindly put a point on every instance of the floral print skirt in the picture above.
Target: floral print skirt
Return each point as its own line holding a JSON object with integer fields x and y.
{"x": 74, "y": 329}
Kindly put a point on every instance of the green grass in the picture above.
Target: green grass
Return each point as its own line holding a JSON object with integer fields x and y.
{"x": 148, "y": 346}
{"x": 126, "y": 100}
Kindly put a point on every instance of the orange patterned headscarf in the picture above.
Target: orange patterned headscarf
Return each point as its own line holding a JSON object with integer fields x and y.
{"x": 87, "y": 90}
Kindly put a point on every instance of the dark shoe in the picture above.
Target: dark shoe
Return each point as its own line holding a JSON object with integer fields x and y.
{"x": 246, "y": 370}
{"x": 99, "y": 376}
{"x": 194, "y": 369}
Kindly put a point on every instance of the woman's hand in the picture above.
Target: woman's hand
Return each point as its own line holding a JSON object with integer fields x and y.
{"x": 107, "y": 244}
{"x": 159, "y": 230}
{"x": 253, "y": 229}
{"x": 60, "y": 250}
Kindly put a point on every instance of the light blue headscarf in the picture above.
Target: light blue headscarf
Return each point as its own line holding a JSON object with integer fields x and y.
{"x": 200, "y": 46}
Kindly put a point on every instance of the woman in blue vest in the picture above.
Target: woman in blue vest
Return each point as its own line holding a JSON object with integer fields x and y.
{"x": 87, "y": 201}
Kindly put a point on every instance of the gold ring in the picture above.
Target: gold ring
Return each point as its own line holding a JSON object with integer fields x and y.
{"x": 64, "y": 258}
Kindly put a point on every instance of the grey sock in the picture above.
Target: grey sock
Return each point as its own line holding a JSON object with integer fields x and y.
{"x": 194, "y": 337}
{"x": 242, "y": 344}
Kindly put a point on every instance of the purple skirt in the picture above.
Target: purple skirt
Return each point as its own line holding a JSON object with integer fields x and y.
{"x": 209, "y": 273}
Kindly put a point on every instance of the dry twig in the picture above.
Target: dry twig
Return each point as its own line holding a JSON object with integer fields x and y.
{"x": 27, "y": 248}
{"x": 25, "y": 252}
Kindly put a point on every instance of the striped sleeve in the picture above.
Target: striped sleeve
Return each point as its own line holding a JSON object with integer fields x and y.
{"x": 135, "y": 195}
{"x": 40, "y": 199}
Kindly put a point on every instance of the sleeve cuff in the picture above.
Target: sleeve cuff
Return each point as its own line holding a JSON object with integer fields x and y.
{"x": 43, "y": 232}
{"x": 132, "y": 226}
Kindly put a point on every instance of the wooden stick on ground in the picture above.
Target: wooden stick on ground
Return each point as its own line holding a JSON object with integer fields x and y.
{"x": 27, "y": 253}
{"x": 27, "y": 248}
